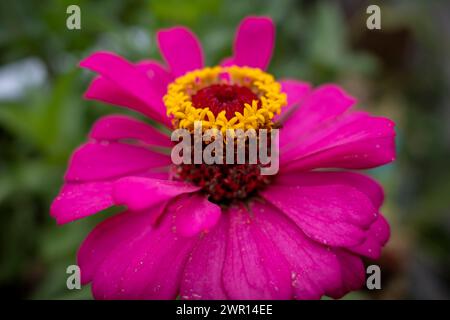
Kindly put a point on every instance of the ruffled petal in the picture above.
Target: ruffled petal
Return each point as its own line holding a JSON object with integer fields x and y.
{"x": 317, "y": 108}
{"x": 194, "y": 214}
{"x": 314, "y": 268}
{"x": 253, "y": 268}
{"x": 139, "y": 193}
{"x": 363, "y": 183}
{"x": 353, "y": 274}
{"x": 105, "y": 90}
{"x": 254, "y": 43}
{"x": 154, "y": 70}
{"x": 78, "y": 200}
{"x": 100, "y": 161}
{"x": 124, "y": 84}
{"x": 296, "y": 91}
{"x": 377, "y": 236}
{"x": 355, "y": 141}
{"x": 120, "y": 127}
{"x": 146, "y": 265}
{"x": 181, "y": 50}
{"x": 329, "y": 211}
{"x": 108, "y": 235}
{"x": 202, "y": 278}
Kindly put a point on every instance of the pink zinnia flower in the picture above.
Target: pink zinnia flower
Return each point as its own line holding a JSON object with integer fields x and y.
{"x": 214, "y": 233}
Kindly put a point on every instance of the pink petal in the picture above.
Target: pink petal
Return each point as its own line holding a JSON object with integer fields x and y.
{"x": 380, "y": 230}
{"x": 105, "y": 90}
{"x": 377, "y": 236}
{"x": 355, "y": 141}
{"x": 253, "y": 268}
{"x": 99, "y": 161}
{"x": 108, "y": 235}
{"x": 363, "y": 183}
{"x": 181, "y": 50}
{"x": 122, "y": 83}
{"x": 330, "y": 212}
{"x": 314, "y": 268}
{"x": 154, "y": 70}
{"x": 254, "y": 42}
{"x": 296, "y": 92}
{"x": 202, "y": 277}
{"x": 194, "y": 213}
{"x": 317, "y": 108}
{"x": 120, "y": 127}
{"x": 353, "y": 274}
{"x": 139, "y": 193}
{"x": 78, "y": 200}
{"x": 227, "y": 62}
{"x": 148, "y": 265}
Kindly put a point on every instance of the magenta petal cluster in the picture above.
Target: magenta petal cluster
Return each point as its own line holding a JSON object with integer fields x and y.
{"x": 303, "y": 238}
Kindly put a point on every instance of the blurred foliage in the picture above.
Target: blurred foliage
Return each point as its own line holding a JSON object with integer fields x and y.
{"x": 401, "y": 72}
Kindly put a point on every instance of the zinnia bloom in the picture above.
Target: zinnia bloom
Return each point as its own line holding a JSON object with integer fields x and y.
{"x": 225, "y": 231}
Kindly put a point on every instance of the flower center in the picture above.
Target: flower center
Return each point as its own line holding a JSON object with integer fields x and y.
{"x": 225, "y": 183}
{"x": 223, "y": 97}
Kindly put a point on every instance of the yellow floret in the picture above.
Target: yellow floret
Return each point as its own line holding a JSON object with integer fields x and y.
{"x": 184, "y": 114}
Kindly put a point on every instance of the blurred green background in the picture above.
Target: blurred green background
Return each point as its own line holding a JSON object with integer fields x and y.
{"x": 401, "y": 71}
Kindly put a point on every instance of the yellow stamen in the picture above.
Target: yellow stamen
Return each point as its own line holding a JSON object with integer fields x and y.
{"x": 179, "y": 104}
